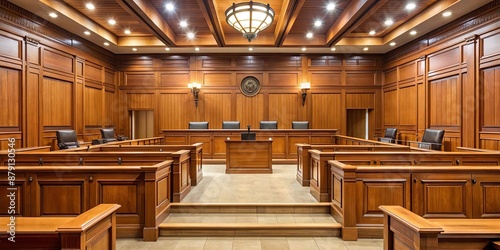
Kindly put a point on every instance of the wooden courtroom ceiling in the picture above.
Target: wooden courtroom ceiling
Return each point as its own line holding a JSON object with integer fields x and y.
{"x": 343, "y": 29}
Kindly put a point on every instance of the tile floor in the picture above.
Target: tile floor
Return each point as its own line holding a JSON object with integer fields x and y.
{"x": 279, "y": 187}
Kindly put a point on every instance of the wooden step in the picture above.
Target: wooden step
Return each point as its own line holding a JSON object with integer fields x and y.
{"x": 251, "y": 229}
{"x": 261, "y": 208}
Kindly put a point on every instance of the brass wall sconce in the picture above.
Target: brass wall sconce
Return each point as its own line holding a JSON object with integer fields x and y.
{"x": 305, "y": 86}
{"x": 195, "y": 89}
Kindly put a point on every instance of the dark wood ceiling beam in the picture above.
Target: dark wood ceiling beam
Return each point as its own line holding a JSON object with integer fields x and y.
{"x": 209, "y": 11}
{"x": 148, "y": 15}
{"x": 288, "y": 17}
{"x": 353, "y": 16}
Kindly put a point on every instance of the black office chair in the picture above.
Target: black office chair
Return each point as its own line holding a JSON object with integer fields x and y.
{"x": 230, "y": 125}
{"x": 268, "y": 124}
{"x": 432, "y": 139}
{"x": 198, "y": 125}
{"x": 67, "y": 139}
{"x": 390, "y": 135}
{"x": 300, "y": 124}
{"x": 108, "y": 135}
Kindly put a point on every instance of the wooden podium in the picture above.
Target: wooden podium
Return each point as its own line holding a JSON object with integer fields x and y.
{"x": 253, "y": 157}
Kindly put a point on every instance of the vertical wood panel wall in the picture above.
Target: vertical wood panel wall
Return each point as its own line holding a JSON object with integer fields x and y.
{"x": 448, "y": 80}
{"x": 337, "y": 82}
{"x": 46, "y": 83}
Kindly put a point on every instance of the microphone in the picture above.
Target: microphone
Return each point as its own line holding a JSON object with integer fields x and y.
{"x": 248, "y": 126}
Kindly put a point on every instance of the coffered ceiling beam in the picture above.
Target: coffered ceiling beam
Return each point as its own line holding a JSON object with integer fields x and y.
{"x": 148, "y": 15}
{"x": 209, "y": 10}
{"x": 288, "y": 16}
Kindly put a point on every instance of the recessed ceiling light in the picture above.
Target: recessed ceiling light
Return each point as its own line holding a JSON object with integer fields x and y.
{"x": 90, "y": 6}
{"x": 52, "y": 14}
{"x": 197, "y": 49}
{"x": 184, "y": 24}
{"x": 112, "y": 21}
{"x": 250, "y": 49}
{"x": 134, "y": 49}
{"x": 333, "y": 49}
{"x": 317, "y": 23}
{"x": 106, "y": 43}
{"x": 392, "y": 44}
{"x": 309, "y": 35}
{"x": 304, "y": 49}
{"x": 411, "y": 6}
{"x": 447, "y": 13}
{"x": 388, "y": 22}
{"x": 127, "y": 31}
{"x": 167, "y": 49}
{"x": 190, "y": 35}
{"x": 330, "y": 6}
{"x": 86, "y": 32}
{"x": 170, "y": 6}
{"x": 365, "y": 48}
{"x": 413, "y": 32}
{"x": 372, "y": 32}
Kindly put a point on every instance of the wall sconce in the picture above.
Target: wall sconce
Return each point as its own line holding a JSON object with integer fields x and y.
{"x": 195, "y": 89}
{"x": 305, "y": 86}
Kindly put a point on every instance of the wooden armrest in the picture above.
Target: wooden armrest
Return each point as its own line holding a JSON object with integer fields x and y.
{"x": 88, "y": 219}
{"x": 410, "y": 219}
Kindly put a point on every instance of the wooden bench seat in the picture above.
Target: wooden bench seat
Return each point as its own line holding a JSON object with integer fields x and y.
{"x": 94, "y": 229}
{"x": 406, "y": 230}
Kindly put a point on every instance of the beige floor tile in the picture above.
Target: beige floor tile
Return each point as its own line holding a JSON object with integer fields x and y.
{"x": 330, "y": 243}
{"x": 188, "y": 243}
{"x": 218, "y": 244}
{"x": 247, "y": 244}
{"x": 274, "y": 244}
{"x": 363, "y": 244}
{"x": 302, "y": 243}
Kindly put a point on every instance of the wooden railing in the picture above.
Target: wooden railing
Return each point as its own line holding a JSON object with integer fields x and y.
{"x": 404, "y": 229}
{"x": 87, "y": 146}
{"x": 95, "y": 228}
{"x": 432, "y": 192}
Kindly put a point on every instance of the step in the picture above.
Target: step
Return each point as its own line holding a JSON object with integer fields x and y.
{"x": 249, "y": 219}
{"x": 274, "y": 208}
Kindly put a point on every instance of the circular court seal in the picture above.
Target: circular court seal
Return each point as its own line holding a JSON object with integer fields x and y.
{"x": 250, "y": 86}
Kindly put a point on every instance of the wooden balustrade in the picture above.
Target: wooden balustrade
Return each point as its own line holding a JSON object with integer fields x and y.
{"x": 93, "y": 229}
{"x": 406, "y": 230}
{"x": 143, "y": 191}
{"x": 458, "y": 192}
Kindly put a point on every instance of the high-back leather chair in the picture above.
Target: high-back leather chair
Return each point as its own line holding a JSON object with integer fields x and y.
{"x": 300, "y": 124}
{"x": 390, "y": 135}
{"x": 67, "y": 139}
{"x": 198, "y": 125}
{"x": 432, "y": 139}
{"x": 230, "y": 125}
{"x": 108, "y": 135}
{"x": 268, "y": 124}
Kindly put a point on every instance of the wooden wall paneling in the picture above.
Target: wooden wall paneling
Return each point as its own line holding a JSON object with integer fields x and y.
{"x": 57, "y": 102}
{"x": 469, "y": 86}
{"x": 443, "y": 61}
{"x": 250, "y": 110}
{"x": 175, "y": 110}
{"x": 390, "y": 76}
{"x": 325, "y": 78}
{"x": 140, "y": 101}
{"x": 360, "y": 78}
{"x": 93, "y": 107}
{"x": 217, "y": 108}
{"x": 110, "y": 109}
{"x": 174, "y": 79}
{"x": 445, "y": 103}
{"x": 359, "y": 100}
{"x": 10, "y": 87}
{"x": 241, "y": 75}
{"x": 327, "y": 113}
{"x": 32, "y": 130}
{"x": 11, "y": 51}
{"x": 56, "y": 61}
{"x": 139, "y": 79}
{"x": 283, "y": 108}
{"x": 216, "y": 78}
{"x": 283, "y": 79}
{"x": 81, "y": 108}
{"x": 422, "y": 101}
{"x": 489, "y": 52}
{"x": 490, "y": 101}
{"x": 390, "y": 107}
{"x": 408, "y": 105}
{"x": 321, "y": 62}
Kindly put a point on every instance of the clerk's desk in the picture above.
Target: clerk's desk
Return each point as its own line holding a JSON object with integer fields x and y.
{"x": 284, "y": 140}
{"x": 254, "y": 157}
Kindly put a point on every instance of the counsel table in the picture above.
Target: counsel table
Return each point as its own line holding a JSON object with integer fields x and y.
{"x": 249, "y": 156}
